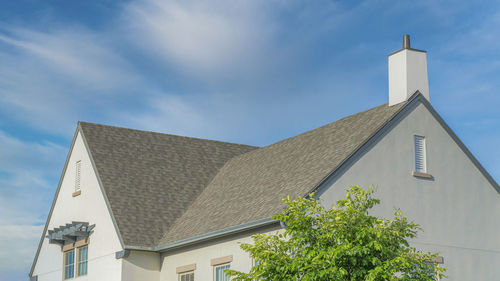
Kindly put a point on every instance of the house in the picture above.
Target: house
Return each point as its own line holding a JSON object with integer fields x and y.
{"x": 136, "y": 205}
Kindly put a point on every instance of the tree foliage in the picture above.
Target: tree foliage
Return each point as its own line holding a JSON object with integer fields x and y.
{"x": 340, "y": 243}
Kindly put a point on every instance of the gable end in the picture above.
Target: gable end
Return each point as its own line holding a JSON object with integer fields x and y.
{"x": 414, "y": 101}
{"x": 44, "y": 232}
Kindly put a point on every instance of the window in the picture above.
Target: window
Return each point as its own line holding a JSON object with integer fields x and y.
{"x": 420, "y": 165}
{"x": 69, "y": 264}
{"x": 187, "y": 276}
{"x": 78, "y": 173}
{"x": 83, "y": 256}
{"x": 255, "y": 262}
{"x": 219, "y": 272}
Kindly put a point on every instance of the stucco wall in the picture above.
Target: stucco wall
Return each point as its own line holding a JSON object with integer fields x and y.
{"x": 202, "y": 254}
{"x": 140, "y": 266}
{"x": 458, "y": 209}
{"x": 88, "y": 207}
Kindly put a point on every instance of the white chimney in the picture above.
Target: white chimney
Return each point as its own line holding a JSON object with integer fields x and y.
{"x": 407, "y": 73}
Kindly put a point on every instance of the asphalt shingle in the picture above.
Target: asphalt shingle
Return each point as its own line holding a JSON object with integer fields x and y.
{"x": 149, "y": 178}
{"x": 250, "y": 186}
{"x": 164, "y": 188}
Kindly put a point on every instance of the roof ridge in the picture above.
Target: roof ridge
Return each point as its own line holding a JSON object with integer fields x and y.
{"x": 189, "y": 164}
{"x": 260, "y": 148}
{"x": 327, "y": 124}
{"x": 160, "y": 133}
{"x": 245, "y": 161}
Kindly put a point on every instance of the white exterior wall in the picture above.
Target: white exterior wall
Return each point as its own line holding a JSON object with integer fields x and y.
{"x": 202, "y": 254}
{"x": 89, "y": 207}
{"x": 141, "y": 266}
{"x": 407, "y": 74}
{"x": 459, "y": 209}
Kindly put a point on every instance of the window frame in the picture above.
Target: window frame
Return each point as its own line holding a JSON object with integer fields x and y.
{"x": 80, "y": 262}
{"x": 76, "y": 249}
{"x": 224, "y": 276}
{"x": 186, "y": 274}
{"x": 68, "y": 265}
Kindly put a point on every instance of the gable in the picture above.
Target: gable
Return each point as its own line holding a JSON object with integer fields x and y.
{"x": 250, "y": 187}
{"x": 163, "y": 189}
{"x": 89, "y": 206}
{"x": 150, "y": 179}
{"x": 456, "y": 207}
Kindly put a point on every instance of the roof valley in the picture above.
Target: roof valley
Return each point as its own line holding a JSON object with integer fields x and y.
{"x": 245, "y": 184}
{"x": 150, "y": 179}
{"x": 164, "y": 188}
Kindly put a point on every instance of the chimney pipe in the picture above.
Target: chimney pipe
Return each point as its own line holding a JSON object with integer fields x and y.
{"x": 406, "y": 41}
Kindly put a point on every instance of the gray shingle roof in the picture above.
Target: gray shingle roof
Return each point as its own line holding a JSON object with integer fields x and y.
{"x": 149, "y": 178}
{"x": 250, "y": 186}
{"x": 163, "y": 188}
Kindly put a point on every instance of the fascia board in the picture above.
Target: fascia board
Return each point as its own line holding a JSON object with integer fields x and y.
{"x": 77, "y": 131}
{"x": 207, "y": 236}
{"x": 101, "y": 186}
{"x": 414, "y": 100}
{"x": 53, "y": 202}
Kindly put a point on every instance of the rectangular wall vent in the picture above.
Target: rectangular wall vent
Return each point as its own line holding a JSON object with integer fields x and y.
{"x": 420, "y": 165}
{"x": 78, "y": 173}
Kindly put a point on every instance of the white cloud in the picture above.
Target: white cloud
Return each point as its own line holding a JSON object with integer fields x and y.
{"x": 27, "y": 174}
{"x": 201, "y": 37}
{"x": 48, "y": 80}
{"x": 51, "y": 79}
{"x": 27, "y": 157}
{"x": 168, "y": 113}
{"x": 244, "y": 71}
{"x": 73, "y": 53}
{"x": 18, "y": 244}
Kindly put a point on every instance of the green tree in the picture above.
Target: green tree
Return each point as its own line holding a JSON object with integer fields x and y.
{"x": 340, "y": 243}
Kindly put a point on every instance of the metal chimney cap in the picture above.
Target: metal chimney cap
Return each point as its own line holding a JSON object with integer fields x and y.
{"x": 406, "y": 46}
{"x": 406, "y": 41}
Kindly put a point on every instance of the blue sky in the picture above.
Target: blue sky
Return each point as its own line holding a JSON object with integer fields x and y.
{"x": 251, "y": 72}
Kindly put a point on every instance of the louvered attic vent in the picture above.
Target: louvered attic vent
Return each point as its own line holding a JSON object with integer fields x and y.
{"x": 78, "y": 173}
{"x": 420, "y": 165}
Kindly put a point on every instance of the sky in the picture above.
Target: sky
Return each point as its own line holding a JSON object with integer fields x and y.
{"x": 251, "y": 72}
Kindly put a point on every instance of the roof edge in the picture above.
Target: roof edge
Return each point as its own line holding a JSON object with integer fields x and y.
{"x": 365, "y": 142}
{"x": 206, "y": 237}
{"x": 153, "y": 132}
{"x": 411, "y": 49}
{"x": 464, "y": 148}
{"x": 78, "y": 130}
{"x": 262, "y": 222}
{"x": 416, "y": 97}
{"x": 91, "y": 157}
{"x": 54, "y": 201}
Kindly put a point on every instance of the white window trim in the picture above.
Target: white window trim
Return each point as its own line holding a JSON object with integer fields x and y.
{"x": 185, "y": 273}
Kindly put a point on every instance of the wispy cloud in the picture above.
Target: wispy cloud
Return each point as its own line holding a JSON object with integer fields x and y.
{"x": 18, "y": 244}
{"x": 244, "y": 71}
{"x": 51, "y": 79}
{"x": 28, "y": 173}
{"x": 256, "y": 55}
{"x": 74, "y": 54}
{"x": 201, "y": 37}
